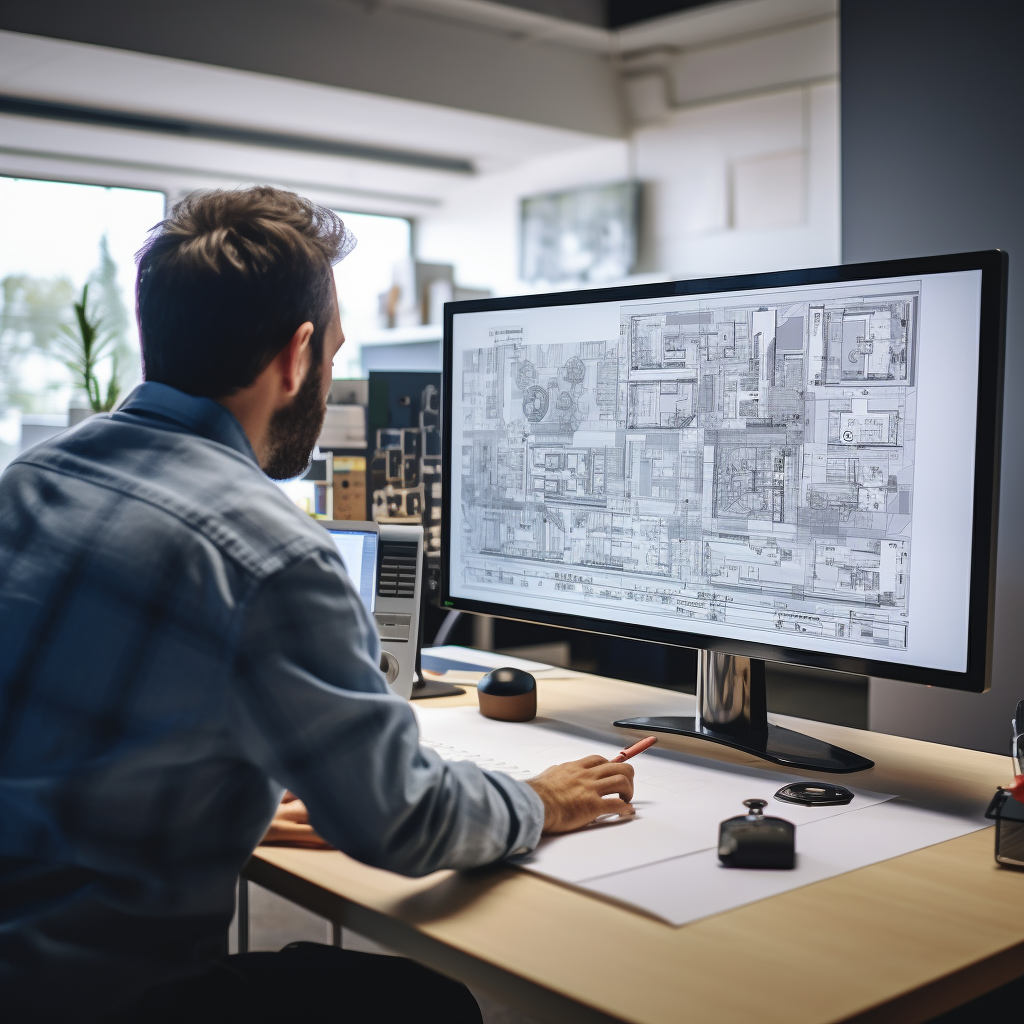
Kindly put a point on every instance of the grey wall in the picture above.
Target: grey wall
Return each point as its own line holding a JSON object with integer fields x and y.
{"x": 933, "y": 162}
{"x": 365, "y": 46}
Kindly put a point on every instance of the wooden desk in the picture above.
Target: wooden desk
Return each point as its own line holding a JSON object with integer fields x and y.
{"x": 898, "y": 941}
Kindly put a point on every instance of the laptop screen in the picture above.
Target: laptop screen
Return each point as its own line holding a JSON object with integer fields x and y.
{"x": 358, "y": 550}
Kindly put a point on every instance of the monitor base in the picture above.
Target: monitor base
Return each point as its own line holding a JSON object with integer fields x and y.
{"x": 732, "y": 709}
{"x": 423, "y": 689}
{"x": 781, "y": 746}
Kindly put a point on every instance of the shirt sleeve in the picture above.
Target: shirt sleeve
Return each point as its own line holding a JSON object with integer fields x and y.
{"x": 308, "y": 704}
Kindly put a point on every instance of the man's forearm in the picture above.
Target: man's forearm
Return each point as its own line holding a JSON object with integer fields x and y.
{"x": 310, "y": 707}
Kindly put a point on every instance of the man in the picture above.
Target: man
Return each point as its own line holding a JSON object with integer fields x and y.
{"x": 178, "y": 643}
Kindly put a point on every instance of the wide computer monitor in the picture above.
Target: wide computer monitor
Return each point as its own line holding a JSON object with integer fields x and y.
{"x": 798, "y": 467}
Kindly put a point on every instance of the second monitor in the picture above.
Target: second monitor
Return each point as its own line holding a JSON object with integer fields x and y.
{"x": 385, "y": 562}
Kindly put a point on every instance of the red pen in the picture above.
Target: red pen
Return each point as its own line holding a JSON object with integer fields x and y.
{"x": 625, "y": 755}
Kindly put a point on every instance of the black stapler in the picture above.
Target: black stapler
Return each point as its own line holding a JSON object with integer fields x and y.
{"x": 754, "y": 841}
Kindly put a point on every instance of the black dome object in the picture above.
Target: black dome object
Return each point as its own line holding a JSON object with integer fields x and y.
{"x": 508, "y": 695}
{"x": 506, "y": 682}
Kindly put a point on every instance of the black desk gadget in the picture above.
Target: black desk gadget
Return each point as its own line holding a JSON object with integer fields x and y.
{"x": 799, "y": 467}
{"x": 814, "y": 794}
{"x": 752, "y": 840}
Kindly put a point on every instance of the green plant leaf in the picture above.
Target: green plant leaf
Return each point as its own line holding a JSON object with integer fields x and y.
{"x": 113, "y": 387}
{"x": 84, "y": 349}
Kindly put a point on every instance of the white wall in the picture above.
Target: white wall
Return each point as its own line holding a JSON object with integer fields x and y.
{"x": 477, "y": 227}
{"x": 744, "y": 185}
{"x": 736, "y": 186}
{"x": 737, "y": 144}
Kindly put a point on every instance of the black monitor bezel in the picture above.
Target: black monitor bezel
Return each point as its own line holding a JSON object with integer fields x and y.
{"x": 993, "y": 265}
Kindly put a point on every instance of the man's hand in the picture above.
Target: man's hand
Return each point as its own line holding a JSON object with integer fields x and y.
{"x": 291, "y": 826}
{"x": 577, "y": 792}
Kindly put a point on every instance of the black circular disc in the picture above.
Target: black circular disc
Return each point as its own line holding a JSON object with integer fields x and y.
{"x": 817, "y": 794}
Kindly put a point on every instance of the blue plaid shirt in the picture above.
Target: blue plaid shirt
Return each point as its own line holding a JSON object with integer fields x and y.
{"x": 177, "y": 643}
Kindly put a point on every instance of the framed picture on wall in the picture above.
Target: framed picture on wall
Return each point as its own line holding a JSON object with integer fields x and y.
{"x": 585, "y": 235}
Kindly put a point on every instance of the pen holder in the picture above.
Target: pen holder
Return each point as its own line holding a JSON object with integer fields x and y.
{"x": 1008, "y": 815}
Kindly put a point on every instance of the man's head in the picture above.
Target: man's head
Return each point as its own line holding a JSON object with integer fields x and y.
{"x": 236, "y": 302}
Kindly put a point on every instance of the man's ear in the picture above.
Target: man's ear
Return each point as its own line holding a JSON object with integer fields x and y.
{"x": 294, "y": 360}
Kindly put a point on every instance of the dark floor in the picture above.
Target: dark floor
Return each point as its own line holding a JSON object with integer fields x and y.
{"x": 274, "y": 922}
{"x": 1002, "y": 1006}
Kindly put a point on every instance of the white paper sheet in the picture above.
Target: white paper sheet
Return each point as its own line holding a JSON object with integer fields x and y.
{"x": 488, "y": 659}
{"x": 688, "y": 888}
{"x": 664, "y": 861}
{"x": 679, "y": 800}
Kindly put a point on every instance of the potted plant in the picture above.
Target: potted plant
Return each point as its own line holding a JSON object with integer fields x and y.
{"x": 86, "y": 344}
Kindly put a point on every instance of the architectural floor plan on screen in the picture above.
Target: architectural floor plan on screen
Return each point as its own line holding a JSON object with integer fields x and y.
{"x": 745, "y": 463}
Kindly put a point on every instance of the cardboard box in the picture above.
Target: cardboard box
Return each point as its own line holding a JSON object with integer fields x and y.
{"x": 350, "y": 488}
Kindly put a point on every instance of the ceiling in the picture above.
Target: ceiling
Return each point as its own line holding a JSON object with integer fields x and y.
{"x": 392, "y": 103}
{"x": 607, "y": 14}
{"x": 85, "y": 77}
{"x": 621, "y": 13}
{"x": 613, "y": 27}
{"x": 544, "y": 61}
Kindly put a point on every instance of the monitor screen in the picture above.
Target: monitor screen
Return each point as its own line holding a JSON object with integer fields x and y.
{"x": 358, "y": 550}
{"x": 787, "y": 466}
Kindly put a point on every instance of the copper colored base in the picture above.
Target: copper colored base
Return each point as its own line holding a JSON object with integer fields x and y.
{"x": 520, "y": 708}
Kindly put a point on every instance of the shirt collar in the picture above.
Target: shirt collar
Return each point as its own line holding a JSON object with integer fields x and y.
{"x": 202, "y": 416}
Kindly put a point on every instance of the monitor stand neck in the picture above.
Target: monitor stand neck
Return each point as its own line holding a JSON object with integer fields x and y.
{"x": 423, "y": 688}
{"x": 732, "y": 710}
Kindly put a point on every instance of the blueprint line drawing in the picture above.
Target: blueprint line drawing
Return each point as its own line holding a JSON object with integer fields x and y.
{"x": 746, "y": 461}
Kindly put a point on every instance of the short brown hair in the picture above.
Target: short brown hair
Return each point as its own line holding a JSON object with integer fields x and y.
{"x": 225, "y": 281}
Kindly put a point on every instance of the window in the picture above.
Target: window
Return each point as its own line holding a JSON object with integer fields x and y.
{"x": 363, "y": 276}
{"x": 56, "y": 237}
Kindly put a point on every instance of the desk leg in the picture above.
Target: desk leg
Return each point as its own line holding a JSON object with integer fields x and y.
{"x": 336, "y": 934}
{"x": 243, "y": 915}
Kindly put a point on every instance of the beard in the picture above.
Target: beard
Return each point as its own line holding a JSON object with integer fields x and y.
{"x": 295, "y": 428}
